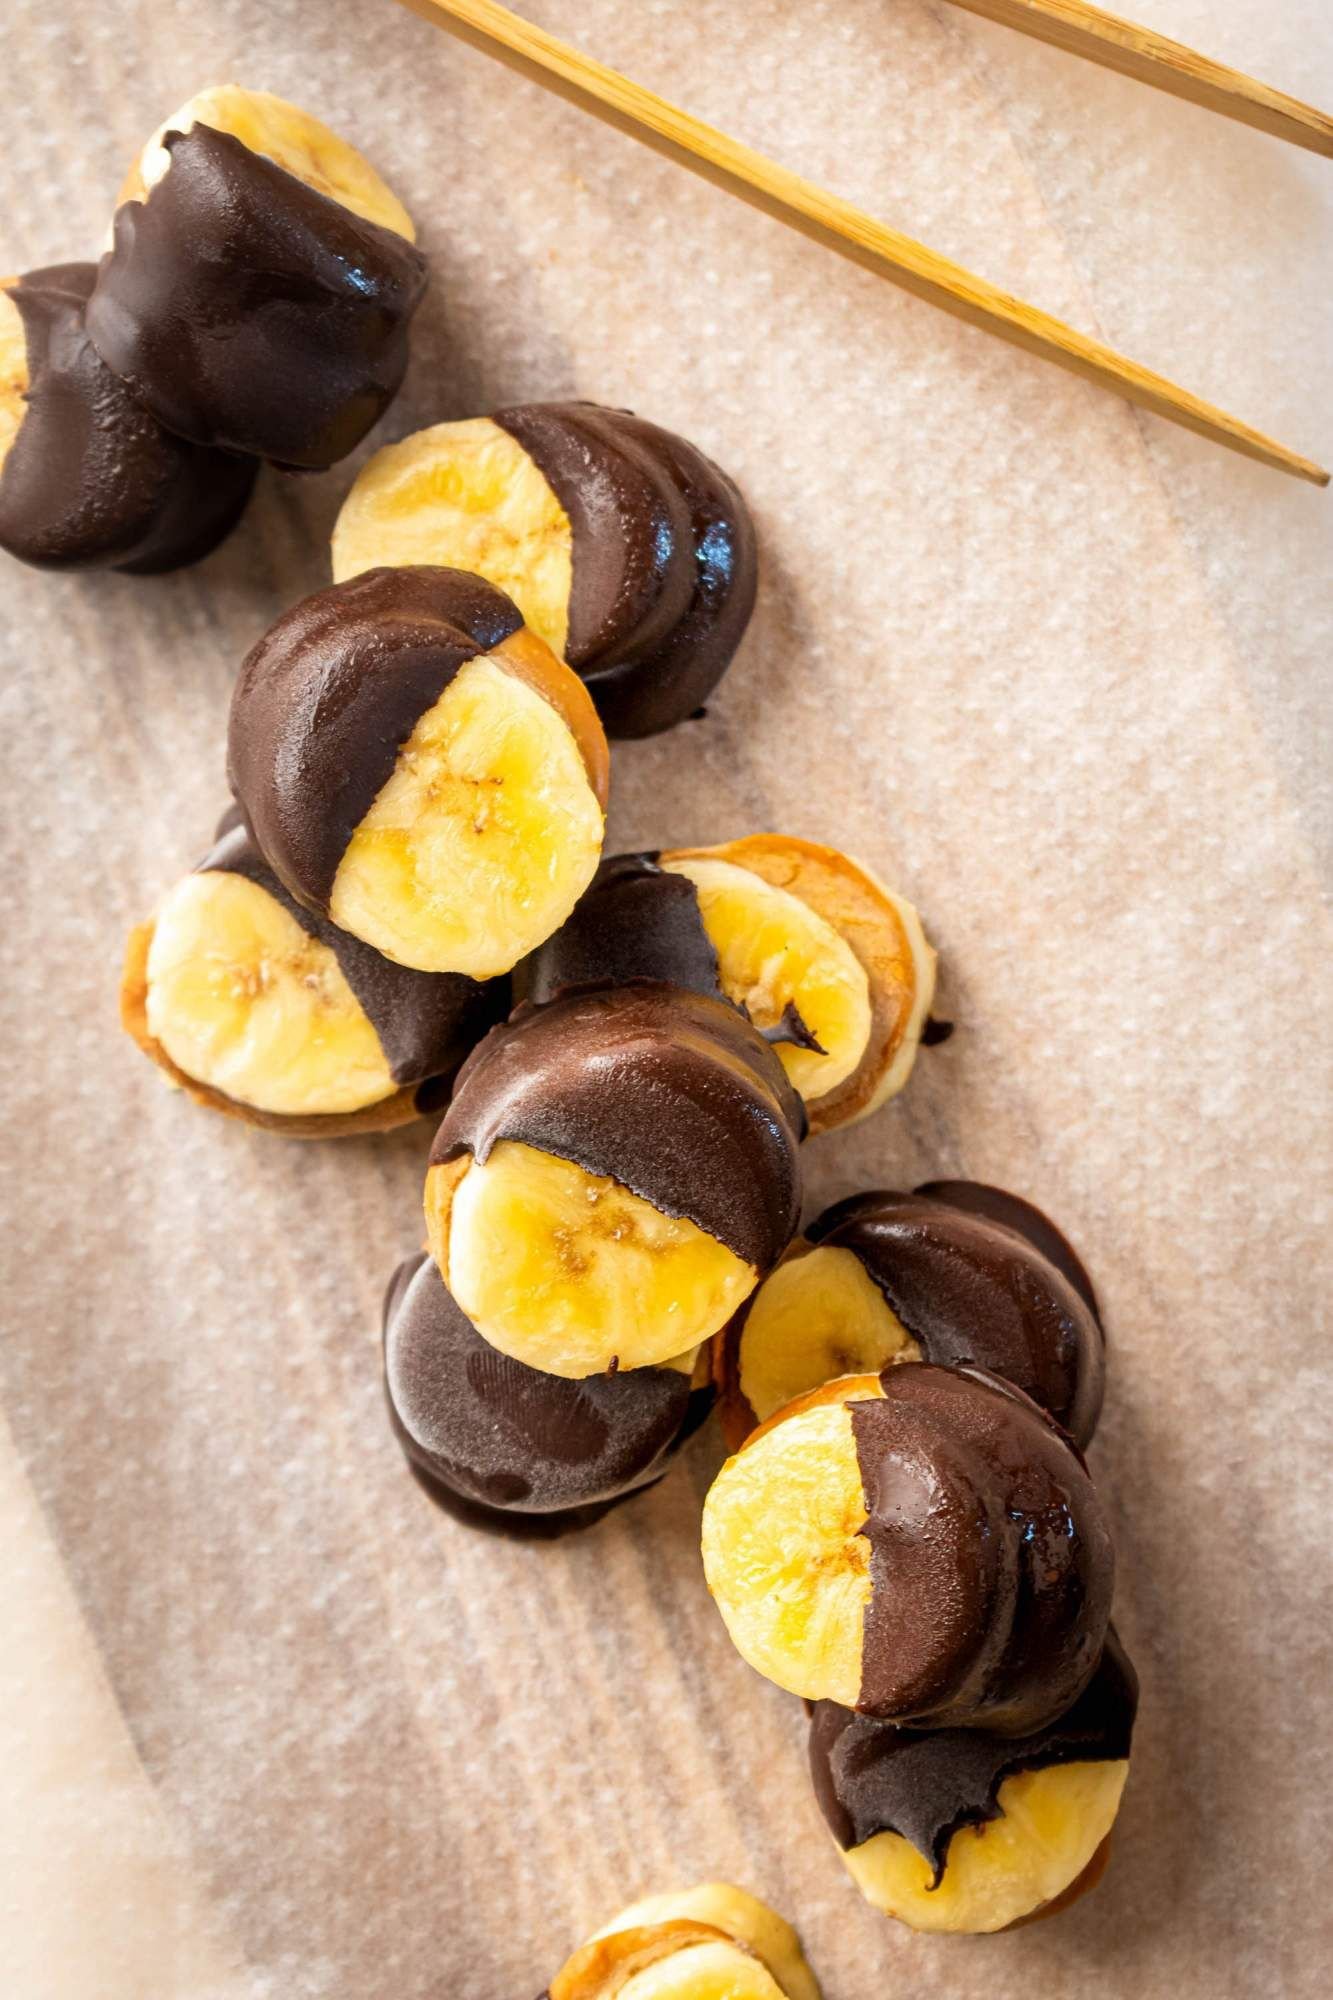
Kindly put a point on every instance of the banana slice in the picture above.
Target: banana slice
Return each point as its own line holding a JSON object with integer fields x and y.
{"x": 1051, "y": 1827}
{"x": 741, "y": 1916}
{"x": 466, "y": 495}
{"x": 817, "y": 1317}
{"x": 288, "y": 136}
{"x": 422, "y": 769}
{"x": 673, "y": 1960}
{"x": 807, "y": 937}
{"x": 570, "y": 1272}
{"x": 13, "y": 369}
{"x": 887, "y": 1543}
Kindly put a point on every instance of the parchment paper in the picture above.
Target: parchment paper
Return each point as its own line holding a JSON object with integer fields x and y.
{"x": 275, "y": 1730}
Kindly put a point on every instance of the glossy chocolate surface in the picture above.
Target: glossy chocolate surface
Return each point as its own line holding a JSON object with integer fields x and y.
{"x": 991, "y": 1561}
{"x": 968, "y": 1286}
{"x": 871, "y": 1777}
{"x": 247, "y": 310}
{"x": 670, "y": 1093}
{"x": 508, "y": 1440}
{"x": 664, "y": 559}
{"x": 635, "y": 923}
{"x": 426, "y": 1022}
{"x": 91, "y": 480}
{"x": 329, "y": 696}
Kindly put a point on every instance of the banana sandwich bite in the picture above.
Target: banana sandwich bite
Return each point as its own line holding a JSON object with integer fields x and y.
{"x": 625, "y": 548}
{"x": 260, "y": 281}
{"x": 956, "y": 1272}
{"x": 615, "y": 1173}
{"x": 923, "y": 1546}
{"x": 830, "y": 967}
{"x": 964, "y": 1830}
{"x": 257, "y": 1007}
{"x": 505, "y": 1446}
{"x": 712, "y": 1942}
{"x": 88, "y": 478}
{"x": 418, "y": 767}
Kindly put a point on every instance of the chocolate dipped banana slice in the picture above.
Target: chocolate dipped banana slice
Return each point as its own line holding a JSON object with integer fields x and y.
{"x": 955, "y": 1272}
{"x": 712, "y": 1942}
{"x": 923, "y": 1546}
{"x": 260, "y": 282}
{"x": 960, "y": 1830}
{"x": 421, "y": 769}
{"x": 503, "y": 1446}
{"x": 830, "y": 966}
{"x": 631, "y": 553}
{"x": 614, "y": 1174}
{"x": 258, "y": 1008}
{"x": 88, "y": 478}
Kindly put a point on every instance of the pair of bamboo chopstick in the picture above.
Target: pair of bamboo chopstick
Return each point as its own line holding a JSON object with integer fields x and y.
{"x": 1070, "y": 24}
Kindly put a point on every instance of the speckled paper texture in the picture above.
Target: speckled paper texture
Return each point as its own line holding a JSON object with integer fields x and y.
{"x": 274, "y": 1729}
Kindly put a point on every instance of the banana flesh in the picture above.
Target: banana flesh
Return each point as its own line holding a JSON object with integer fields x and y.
{"x": 784, "y": 1557}
{"x": 704, "y": 1971}
{"x": 245, "y": 1001}
{"x": 13, "y": 370}
{"x": 288, "y": 136}
{"x": 570, "y": 1272}
{"x": 819, "y": 1315}
{"x": 484, "y": 837}
{"x": 465, "y": 496}
{"x": 1052, "y": 1822}
{"x": 775, "y": 952}
{"x": 742, "y": 1916}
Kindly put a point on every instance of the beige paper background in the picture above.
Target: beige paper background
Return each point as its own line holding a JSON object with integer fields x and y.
{"x": 275, "y": 1730}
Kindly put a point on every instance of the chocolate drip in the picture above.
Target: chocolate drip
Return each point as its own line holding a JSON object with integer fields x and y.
{"x": 248, "y": 310}
{"x": 505, "y": 1440}
{"x": 991, "y": 1562}
{"x": 329, "y": 696}
{"x": 635, "y": 923}
{"x": 91, "y": 480}
{"x": 670, "y": 1093}
{"x": 872, "y": 1777}
{"x": 664, "y": 559}
{"x": 968, "y": 1286}
{"x": 426, "y": 1022}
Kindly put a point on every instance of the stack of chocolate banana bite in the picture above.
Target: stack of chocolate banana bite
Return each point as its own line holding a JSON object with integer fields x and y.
{"x": 407, "y": 913}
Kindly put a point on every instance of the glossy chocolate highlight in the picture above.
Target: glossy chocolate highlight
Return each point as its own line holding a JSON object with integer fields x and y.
{"x": 249, "y": 311}
{"x": 925, "y": 1785}
{"x": 670, "y": 1093}
{"x": 509, "y": 1442}
{"x": 328, "y": 697}
{"x": 665, "y": 567}
{"x": 92, "y": 480}
{"x": 991, "y": 1560}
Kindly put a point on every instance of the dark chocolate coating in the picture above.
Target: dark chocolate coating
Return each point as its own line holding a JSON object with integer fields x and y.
{"x": 872, "y": 1777}
{"x": 991, "y": 1562}
{"x": 248, "y": 310}
{"x": 329, "y": 696}
{"x": 672, "y": 1094}
{"x": 507, "y": 1438}
{"x": 426, "y": 1022}
{"x": 635, "y": 923}
{"x": 968, "y": 1287}
{"x": 1012, "y": 1212}
{"x": 91, "y": 480}
{"x": 665, "y": 565}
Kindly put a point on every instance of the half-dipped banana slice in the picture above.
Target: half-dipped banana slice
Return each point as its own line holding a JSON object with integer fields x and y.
{"x": 88, "y": 478}
{"x": 260, "y": 281}
{"x": 631, "y": 553}
{"x": 961, "y": 1830}
{"x": 923, "y": 1546}
{"x": 614, "y": 1174}
{"x": 503, "y": 1446}
{"x": 712, "y": 1942}
{"x": 421, "y": 769}
{"x": 257, "y": 1008}
{"x": 831, "y": 967}
{"x": 955, "y": 1272}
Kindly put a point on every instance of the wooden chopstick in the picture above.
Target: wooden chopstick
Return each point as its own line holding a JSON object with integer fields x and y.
{"x": 1151, "y": 58}
{"x": 835, "y": 223}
